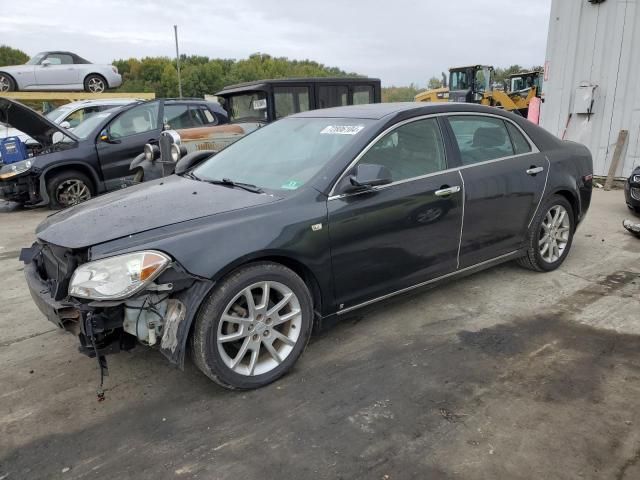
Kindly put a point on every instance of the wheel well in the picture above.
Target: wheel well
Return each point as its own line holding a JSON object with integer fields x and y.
{"x": 78, "y": 168}
{"x": 97, "y": 75}
{"x": 571, "y": 198}
{"x": 301, "y": 270}
{"x": 15, "y": 84}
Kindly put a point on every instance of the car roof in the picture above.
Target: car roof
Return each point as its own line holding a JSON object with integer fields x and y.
{"x": 111, "y": 101}
{"x": 260, "y": 84}
{"x": 377, "y": 111}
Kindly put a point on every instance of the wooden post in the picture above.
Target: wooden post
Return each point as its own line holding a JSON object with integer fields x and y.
{"x": 617, "y": 153}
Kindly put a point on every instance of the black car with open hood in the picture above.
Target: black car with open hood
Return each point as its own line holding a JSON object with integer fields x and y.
{"x": 237, "y": 258}
{"x": 63, "y": 168}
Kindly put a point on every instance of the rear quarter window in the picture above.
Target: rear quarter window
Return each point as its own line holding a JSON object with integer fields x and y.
{"x": 520, "y": 144}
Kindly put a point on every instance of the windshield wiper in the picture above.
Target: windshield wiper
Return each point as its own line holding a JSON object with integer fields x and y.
{"x": 230, "y": 183}
{"x": 191, "y": 175}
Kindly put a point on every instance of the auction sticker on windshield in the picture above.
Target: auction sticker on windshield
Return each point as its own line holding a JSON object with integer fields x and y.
{"x": 341, "y": 129}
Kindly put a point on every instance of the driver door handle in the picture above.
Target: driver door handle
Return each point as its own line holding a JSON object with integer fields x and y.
{"x": 444, "y": 192}
{"x": 535, "y": 170}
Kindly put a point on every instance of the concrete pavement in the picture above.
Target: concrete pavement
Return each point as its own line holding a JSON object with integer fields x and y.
{"x": 504, "y": 374}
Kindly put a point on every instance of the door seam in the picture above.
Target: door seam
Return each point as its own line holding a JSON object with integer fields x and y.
{"x": 464, "y": 200}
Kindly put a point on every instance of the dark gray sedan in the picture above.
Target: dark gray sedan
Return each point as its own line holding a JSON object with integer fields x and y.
{"x": 301, "y": 222}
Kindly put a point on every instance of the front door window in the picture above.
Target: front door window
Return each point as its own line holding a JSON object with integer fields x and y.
{"x": 410, "y": 151}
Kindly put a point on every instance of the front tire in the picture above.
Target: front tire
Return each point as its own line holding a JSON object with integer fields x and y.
{"x": 7, "y": 83}
{"x": 253, "y": 327}
{"x": 550, "y": 236}
{"x": 68, "y": 188}
{"x": 95, "y": 84}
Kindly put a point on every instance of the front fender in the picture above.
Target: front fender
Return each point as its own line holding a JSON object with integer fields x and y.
{"x": 44, "y": 194}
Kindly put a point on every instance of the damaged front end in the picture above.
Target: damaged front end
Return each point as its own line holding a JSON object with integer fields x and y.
{"x": 113, "y": 304}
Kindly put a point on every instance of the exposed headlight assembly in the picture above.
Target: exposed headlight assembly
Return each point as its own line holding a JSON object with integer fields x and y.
{"x": 117, "y": 278}
{"x": 14, "y": 169}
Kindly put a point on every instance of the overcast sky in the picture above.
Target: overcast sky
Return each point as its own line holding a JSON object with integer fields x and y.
{"x": 399, "y": 41}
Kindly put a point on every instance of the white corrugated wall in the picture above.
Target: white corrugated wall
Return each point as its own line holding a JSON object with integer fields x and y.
{"x": 597, "y": 45}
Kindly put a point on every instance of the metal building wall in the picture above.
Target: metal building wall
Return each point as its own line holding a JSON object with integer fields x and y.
{"x": 598, "y": 45}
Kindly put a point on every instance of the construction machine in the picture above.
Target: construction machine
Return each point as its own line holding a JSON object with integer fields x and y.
{"x": 436, "y": 94}
{"x": 475, "y": 84}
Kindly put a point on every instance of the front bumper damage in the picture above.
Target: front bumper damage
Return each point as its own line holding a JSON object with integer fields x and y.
{"x": 159, "y": 317}
{"x": 22, "y": 189}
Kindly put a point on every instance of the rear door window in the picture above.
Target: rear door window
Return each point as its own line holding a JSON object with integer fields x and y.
{"x": 203, "y": 116}
{"x": 289, "y": 100}
{"x": 480, "y": 138}
{"x": 177, "y": 116}
{"x": 332, "y": 96}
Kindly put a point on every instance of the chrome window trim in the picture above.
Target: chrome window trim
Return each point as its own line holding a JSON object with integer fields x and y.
{"x": 534, "y": 150}
{"x": 422, "y": 284}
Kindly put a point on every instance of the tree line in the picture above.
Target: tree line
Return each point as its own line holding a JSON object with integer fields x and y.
{"x": 204, "y": 75}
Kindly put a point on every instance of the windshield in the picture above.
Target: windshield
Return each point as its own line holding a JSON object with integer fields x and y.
{"x": 247, "y": 106}
{"x": 458, "y": 80}
{"x": 36, "y": 59}
{"x": 283, "y": 155}
{"x": 54, "y": 114}
{"x": 86, "y": 128}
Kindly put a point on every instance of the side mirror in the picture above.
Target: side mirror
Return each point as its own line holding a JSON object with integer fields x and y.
{"x": 57, "y": 137}
{"x": 45, "y": 63}
{"x": 191, "y": 160}
{"x": 65, "y": 124}
{"x": 366, "y": 176}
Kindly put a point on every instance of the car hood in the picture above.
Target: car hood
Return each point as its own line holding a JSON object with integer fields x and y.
{"x": 30, "y": 122}
{"x": 143, "y": 207}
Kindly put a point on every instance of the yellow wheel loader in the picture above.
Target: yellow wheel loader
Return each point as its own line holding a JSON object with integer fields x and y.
{"x": 474, "y": 84}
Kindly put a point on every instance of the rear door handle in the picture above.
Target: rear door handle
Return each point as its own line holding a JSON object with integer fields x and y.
{"x": 444, "y": 192}
{"x": 535, "y": 170}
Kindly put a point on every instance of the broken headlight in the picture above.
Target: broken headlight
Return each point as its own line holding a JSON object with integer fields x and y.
{"x": 14, "y": 169}
{"x": 116, "y": 278}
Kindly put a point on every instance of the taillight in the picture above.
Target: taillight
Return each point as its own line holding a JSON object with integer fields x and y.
{"x": 588, "y": 178}
{"x": 115, "y": 69}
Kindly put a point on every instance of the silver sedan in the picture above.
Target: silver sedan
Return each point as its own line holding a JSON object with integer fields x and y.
{"x": 59, "y": 71}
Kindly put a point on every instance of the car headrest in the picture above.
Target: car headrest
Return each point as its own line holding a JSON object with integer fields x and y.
{"x": 489, "y": 137}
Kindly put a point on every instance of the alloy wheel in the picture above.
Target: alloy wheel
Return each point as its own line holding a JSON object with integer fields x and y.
{"x": 5, "y": 84}
{"x": 96, "y": 85}
{"x": 71, "y": 192}
{"x": 555, "y": 232}
{"x": 259, "y": 328}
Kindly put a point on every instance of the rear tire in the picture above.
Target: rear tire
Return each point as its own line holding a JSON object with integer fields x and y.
{"x": 95, "y": 83}
{"x": 68, "y": 188}
{"x": 244, "y": 346}
{"x": 7, "y": 83}
{"x": 550, "y": 235}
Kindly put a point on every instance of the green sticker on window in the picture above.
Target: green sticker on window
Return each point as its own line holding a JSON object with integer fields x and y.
{"x": 291, "y": 185}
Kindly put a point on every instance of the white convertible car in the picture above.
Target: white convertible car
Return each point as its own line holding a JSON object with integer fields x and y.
{"x": 59, "y": 71}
